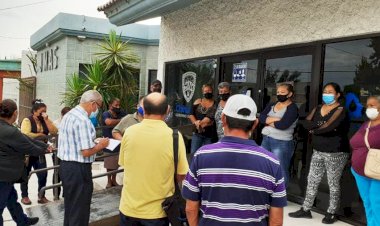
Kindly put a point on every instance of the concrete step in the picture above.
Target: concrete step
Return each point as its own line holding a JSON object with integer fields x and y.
{"x": 104, "y": 209}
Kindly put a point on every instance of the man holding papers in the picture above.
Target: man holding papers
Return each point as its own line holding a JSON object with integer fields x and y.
{"x": 77, "y": 149}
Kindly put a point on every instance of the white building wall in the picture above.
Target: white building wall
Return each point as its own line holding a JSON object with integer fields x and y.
{"x": 213, "y": 27}
{"x": 11, "y": 89}
{"x": 51, "y": 84}
{"x": 148, "y": 61}
{"x": 151, "y": 63}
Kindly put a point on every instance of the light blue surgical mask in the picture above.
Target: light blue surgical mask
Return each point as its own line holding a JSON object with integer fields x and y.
{"x": 140, "y": 110}
{"x": 94, "y": 113}
{"x": 328, "y": 98}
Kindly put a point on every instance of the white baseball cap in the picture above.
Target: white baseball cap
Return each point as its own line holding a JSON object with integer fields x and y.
{"x": 235, "y": 105}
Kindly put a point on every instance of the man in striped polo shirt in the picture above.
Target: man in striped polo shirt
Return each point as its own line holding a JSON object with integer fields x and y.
{"x": 235, "y": 181}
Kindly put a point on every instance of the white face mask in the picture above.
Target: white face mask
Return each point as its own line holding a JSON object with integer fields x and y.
{"x": 372, "y": 113}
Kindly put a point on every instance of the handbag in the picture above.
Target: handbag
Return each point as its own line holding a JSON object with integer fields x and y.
{"x": 174, "y": 206}
{"x": 372, "y": 163}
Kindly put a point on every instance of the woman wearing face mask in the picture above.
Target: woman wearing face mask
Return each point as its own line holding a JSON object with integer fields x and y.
{"x": 368, "y": 188}
{"x": 328, "y": 124}
{"x": 224, "y": 94}
{"x": 202, "y": 117}
{"x": 280, "y": 119}
{"x": 110, "y": 119}
{"x": 13, "y": 147}
{"x": 37, "y": 126}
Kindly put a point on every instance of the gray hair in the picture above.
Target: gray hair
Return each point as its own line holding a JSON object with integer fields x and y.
{"x": 224, "y": 85}
{"x": 90, "y": 96}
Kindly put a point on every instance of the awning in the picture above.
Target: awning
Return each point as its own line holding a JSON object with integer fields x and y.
{"x": 121, "y": 12}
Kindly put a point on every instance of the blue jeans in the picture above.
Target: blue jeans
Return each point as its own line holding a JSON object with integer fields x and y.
{"x": 8, "y": 198}
{"x": 198, "y": 140}
{"x": 34, "y": 161}
{"x": 369, "y": 192}
{"x": 283, "y": 150}
{"x": 131, "y": 221}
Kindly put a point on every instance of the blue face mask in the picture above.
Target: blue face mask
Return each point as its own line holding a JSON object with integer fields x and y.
{"x": 328, "y": 99}
{"x": 140, "y": 110}
{"x": 94, "y": 113}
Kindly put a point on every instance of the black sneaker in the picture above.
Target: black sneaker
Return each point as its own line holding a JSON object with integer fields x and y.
{"x": 329, "y": 218}
{"x": 32, "y": 220}
{"x": 301, "y": 214}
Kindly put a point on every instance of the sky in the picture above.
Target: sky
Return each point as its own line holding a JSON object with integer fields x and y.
{"x": 19, "y": 19}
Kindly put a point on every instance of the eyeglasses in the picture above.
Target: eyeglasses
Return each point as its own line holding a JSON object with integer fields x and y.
{"x": 99, "y": 106}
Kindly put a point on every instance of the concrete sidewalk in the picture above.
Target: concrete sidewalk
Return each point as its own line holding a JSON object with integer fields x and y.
{"x": 100, "y": 183}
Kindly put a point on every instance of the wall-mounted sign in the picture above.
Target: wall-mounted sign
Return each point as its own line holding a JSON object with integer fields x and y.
{"x": 188, "y": 85}
{"x": 239, "y": 72}
{"x": 48, "y": 59}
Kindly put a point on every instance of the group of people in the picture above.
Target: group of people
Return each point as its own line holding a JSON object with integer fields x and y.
{"x": 327, "y": 125}
{"x": 233, "y": 181}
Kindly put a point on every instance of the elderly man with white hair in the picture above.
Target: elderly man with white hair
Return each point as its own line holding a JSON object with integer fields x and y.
{"x": 77, "y": 149}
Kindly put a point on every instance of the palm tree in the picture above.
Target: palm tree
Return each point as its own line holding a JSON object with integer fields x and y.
{"x": 74, "y": 90}
{"x": 95, "y": 79}
{"x": 114, "y": 74}
{"x": 119, "y": 62}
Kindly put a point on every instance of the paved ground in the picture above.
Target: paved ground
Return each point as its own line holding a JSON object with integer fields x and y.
{"x": 100, "y": 183}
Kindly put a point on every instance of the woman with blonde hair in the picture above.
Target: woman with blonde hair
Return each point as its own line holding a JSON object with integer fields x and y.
{"x": 203, "y": 117}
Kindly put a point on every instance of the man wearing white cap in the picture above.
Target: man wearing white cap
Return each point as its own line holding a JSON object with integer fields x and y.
{"x": 235, "y": 181}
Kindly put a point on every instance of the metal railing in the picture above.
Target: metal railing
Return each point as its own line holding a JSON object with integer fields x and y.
{"x": 42, "y": 170}
{"x": 56, "y": 185}
{"x": 53, "y": 139}
{"x": 42, "y": 191}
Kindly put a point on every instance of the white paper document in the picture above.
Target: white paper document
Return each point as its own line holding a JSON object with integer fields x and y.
{"x": 113, "y": 144}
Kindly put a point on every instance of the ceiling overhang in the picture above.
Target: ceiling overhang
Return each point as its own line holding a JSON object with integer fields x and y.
{"x": 121, "y": 12}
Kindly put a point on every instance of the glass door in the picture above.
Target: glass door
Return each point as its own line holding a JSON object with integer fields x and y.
{"x": 242, "y": 74}
{"x": 296, "y": 70}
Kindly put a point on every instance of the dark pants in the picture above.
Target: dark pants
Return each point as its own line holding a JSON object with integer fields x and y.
{"x": 36, "y": 163}
{"x": 8, "y": 198}
{"x": 77, "y": 187}
{"x": 131, "y": 221}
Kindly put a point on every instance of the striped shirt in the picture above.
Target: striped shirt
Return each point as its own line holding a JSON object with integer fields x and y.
{"x": 236, "y": 182}
{"x": 76, "y": 133}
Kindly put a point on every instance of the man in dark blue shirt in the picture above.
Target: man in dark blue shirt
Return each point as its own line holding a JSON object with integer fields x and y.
{"x": 110, "y": 119}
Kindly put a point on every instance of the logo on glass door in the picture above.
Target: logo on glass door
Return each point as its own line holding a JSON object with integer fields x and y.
{"x": 188, "y": 85}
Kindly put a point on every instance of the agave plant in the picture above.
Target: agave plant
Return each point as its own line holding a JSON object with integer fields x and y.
{"x": 74, "y": 90}
{"x": 97, "y": 79}
{"x": 119, "y": 62}
{"x": 113, "y": 75}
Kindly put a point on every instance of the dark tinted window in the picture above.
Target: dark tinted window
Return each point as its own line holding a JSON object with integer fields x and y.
{"x": 355, "y": 66}
{"x": 183, "y": 85}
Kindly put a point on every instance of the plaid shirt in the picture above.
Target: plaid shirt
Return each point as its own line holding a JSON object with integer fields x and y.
{"x": 76, "y": 133}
